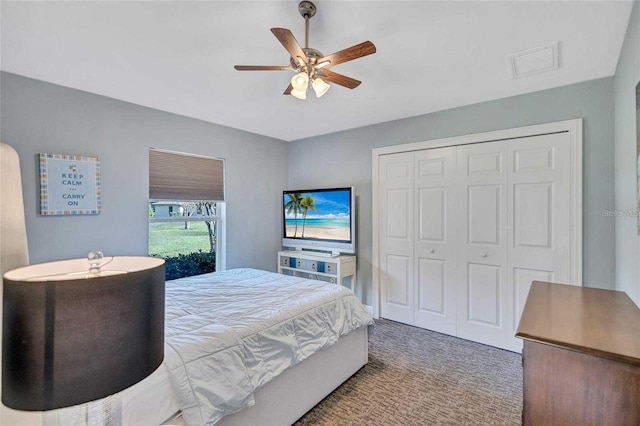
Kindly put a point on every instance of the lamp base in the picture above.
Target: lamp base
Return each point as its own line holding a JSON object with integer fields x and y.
{"x": 103, "y": 412}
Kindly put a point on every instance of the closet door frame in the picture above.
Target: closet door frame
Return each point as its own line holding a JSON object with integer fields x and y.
{"x": 573, "y": 127}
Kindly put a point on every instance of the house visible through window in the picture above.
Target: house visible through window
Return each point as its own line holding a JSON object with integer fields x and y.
{"x": 186, "y": 212}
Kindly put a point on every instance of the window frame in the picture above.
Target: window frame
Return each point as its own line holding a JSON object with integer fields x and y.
{"x": 218, "y": 218}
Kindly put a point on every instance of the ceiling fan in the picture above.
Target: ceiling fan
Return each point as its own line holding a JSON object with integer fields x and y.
{"x": 309, "y": 64}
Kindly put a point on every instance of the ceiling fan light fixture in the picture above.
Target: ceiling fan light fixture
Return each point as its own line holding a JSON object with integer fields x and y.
{"x": 300, "y": 94}
{"x": 300, "y": 81}
{"x": 308, "y": 62}
{"x": 320, "y": 86}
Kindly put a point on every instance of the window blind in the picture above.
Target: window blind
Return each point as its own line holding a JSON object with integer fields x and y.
{"x": 185, "y": 177}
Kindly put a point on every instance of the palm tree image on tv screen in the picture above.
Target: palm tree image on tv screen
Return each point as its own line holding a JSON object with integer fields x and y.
{"x": 323, "y": 215}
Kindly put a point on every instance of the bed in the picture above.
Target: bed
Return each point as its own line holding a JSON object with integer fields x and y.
{"x": 249, "y": 347}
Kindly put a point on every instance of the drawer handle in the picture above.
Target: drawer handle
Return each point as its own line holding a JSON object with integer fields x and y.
{"x": 432, "y": 251}
{"x": 485, "y": 255}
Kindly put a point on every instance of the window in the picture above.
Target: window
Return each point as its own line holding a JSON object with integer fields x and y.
{"x": 186, "y": 212}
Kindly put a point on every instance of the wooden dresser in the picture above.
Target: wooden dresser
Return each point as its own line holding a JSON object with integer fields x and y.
{"x": 581, "y": 356}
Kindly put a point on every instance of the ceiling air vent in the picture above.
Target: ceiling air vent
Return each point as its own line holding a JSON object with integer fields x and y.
{"x": 534, "y": 61}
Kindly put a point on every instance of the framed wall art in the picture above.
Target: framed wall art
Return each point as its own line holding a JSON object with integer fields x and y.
{"x": 69, "y": 185}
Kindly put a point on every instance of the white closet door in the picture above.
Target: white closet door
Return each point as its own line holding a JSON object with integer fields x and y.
{"x": 539, "y": 219}
{"x": 482, "y": 243}
{"x": 396, "y": 183}
{"x": 464, "y": 230}
{"x": 435, "y": 251}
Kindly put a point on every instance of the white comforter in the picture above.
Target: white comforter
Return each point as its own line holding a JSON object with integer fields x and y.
{"x": 229, "y": 333}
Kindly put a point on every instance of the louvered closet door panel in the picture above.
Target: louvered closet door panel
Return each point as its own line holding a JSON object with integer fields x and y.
{"x": 396, "y": 186}
{"x": 435, "y": 251}
{"x": 539, "y": 241}
{"x": 482, "y": 242}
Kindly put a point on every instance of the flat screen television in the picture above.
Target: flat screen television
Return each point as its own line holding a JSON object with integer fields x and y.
{"x": 319, "y": 219}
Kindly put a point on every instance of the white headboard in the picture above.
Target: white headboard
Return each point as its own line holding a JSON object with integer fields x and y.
{"x": 13, "y": 250}
{"x": 13, "y": 233}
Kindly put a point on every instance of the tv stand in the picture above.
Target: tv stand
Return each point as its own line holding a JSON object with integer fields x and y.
{"x": 321, "y": 266}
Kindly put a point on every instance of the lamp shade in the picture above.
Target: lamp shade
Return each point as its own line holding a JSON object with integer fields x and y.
{"x": 320, "y": 86}
{"x": 300, "y": 81}
{"x": 70, "y": 336}
{"x": 300, "y": 94}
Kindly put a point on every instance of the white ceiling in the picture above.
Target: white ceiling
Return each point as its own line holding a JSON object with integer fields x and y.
{"x": 179, "y": 56}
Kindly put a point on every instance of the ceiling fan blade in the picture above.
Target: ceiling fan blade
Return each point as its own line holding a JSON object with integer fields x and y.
{"x": 289, "y": 42}
{"x": 340, "y": 79}
{"x": 288, "y": 90}
{"x": 350, "y": 53}
{"x": 263, "y": 68}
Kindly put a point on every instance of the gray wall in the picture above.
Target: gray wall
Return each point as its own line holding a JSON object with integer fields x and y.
{"x": 344, "y": 158}
{"x": 626, "y": 169}
{"x": 42, "y": 117}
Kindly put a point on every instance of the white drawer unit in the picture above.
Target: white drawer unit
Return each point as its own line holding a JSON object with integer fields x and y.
{"x": 319, "y": 267}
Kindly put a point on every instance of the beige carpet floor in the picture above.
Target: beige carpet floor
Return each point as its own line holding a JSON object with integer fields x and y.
{"x": 419, "y": 377}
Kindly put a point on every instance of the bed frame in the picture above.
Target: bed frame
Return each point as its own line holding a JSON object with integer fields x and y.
{"x": 289, "y": 396}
